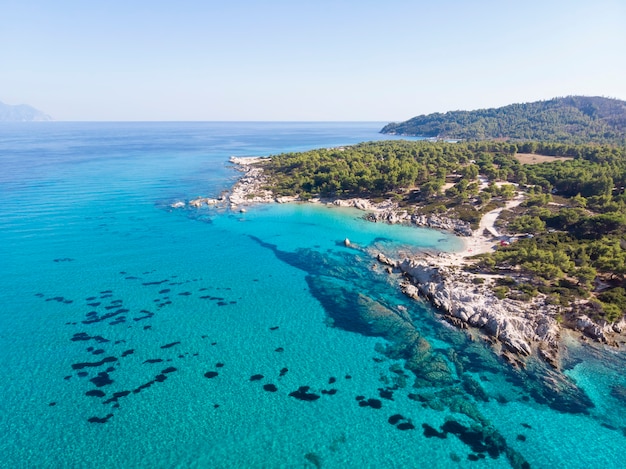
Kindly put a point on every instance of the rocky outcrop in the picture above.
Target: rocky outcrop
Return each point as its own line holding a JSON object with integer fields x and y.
{"x": 200, "y": 201}
{"x": 365, "y": 204}
{"x": 389, "y": 212}
{"x": 600, "y": 331}
{"x": 436, "y": 222}
{"x": 250, "y": 188}
{"x": 520, "y": 328}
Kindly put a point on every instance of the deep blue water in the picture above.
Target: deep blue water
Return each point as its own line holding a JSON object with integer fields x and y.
{"x": 135, "y": 335}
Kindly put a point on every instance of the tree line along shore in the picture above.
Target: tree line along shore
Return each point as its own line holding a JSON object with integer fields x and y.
{"x": 563, "y": 241}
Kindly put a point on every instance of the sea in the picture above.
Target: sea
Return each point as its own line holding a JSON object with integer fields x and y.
{"x": 136, "y": 335}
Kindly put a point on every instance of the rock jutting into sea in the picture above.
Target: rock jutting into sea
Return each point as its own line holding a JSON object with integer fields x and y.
{"x": 519, "y": 327}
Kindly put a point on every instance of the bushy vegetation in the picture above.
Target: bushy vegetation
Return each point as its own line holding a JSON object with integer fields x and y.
{"x": 574, "y": 119}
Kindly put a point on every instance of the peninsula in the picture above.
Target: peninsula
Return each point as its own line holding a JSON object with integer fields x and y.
{"x": 544, "y": 225}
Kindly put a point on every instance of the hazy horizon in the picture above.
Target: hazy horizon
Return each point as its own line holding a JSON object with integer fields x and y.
{"x": 286, "y": 62}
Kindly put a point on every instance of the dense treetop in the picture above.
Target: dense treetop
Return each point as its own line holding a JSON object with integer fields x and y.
{"x": 573, "y": 119}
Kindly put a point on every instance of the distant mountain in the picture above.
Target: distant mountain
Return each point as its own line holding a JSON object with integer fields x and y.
{"x": 573, "y": 119}
{"x": 21, "y": 113}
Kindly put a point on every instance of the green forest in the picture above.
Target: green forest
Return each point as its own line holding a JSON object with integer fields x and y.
{"x": 571, "y": 225}
{"x": 573, "y": 119}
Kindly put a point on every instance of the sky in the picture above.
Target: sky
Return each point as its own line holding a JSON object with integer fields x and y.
{"x": 291, "y": 60}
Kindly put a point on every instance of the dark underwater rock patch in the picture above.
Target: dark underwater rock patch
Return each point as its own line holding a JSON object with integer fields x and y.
{"x": 256, "y": 377}
{"x": 143, "y": 386}
{"x": 472, "y": 387}
{"x": 95, "y": 393}
{"x": 147, "y": 315}
{"x": 79, "y": 366}
{"x": 479, "y": 440}
{"x": 397, "y": 421}
{"x": 153, "y": 360}
{"x": 116, "y": 396}
{"x": 618, "y": 391}
{"x": 314, "y": 459}
{"x": 303, "y": 394}
{"x": 155, "y": 283}
{"x": 60, "y": 299}
{"x": 431, "y": 432}
{"x": 211, "y": 374}
{"x": 103, "y": 379}
{"x": 125, "y": 353}
{"x": 405, "y": 426}
{"x": 283, "y": 372}
{"x": 170, "y": 344}
{"x": 270, "y": 387}
{"x": 373, "y": 403}
{"x": 84, "y": 336}
{"x": 99, "y": 419}
{"x": 95, "y": 318}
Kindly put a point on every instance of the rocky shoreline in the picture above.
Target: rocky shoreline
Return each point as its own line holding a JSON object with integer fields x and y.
{"x": 516, "y": 329}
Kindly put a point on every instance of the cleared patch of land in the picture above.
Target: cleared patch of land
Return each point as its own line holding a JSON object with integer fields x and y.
{"x": 532, "y": 158}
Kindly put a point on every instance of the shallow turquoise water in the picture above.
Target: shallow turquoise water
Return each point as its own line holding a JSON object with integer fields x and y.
{"x": 97, "y": 268}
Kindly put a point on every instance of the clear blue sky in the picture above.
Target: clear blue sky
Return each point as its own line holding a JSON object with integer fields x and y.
{"x": 295, "y": 60}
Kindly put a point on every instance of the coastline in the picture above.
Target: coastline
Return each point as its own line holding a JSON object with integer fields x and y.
{"x": 517, "y": 330}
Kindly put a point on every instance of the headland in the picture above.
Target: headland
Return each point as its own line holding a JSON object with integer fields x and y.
{"x": 465, "y": 296}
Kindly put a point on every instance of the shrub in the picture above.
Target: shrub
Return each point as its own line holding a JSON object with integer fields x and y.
{"x": 500, "y": 292}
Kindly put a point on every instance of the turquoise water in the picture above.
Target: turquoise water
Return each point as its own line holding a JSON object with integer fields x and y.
{"x": 135, "y": 335}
